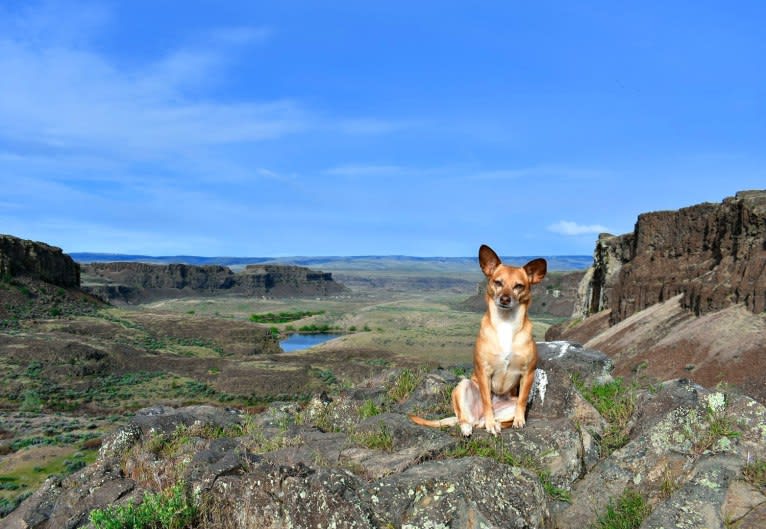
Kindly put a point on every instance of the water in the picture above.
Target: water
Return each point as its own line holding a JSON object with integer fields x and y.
{"x": 296, "y": 342}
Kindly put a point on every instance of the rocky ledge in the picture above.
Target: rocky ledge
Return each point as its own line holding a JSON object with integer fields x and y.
{"x": 354, "y": 460}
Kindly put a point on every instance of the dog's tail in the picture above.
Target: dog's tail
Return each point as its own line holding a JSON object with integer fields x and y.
{"x": 435, "y": 423}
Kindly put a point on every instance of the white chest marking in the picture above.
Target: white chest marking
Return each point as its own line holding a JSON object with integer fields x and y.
{"x": 505, "y": 331}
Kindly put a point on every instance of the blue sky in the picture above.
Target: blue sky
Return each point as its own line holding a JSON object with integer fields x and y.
{"x": 347, "y": 128}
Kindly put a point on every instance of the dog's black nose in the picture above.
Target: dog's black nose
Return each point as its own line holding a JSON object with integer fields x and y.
{"x": 505, "y": 300}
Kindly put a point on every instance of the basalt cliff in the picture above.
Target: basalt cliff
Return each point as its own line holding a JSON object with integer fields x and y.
{"x": 19, "y": 257}
{"x": 684, "y": 294}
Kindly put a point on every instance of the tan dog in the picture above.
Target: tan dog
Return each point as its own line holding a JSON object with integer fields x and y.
{"x": 505, "y": 355}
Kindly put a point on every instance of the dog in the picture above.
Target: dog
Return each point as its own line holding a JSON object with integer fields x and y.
{"x": 505, "y": 355}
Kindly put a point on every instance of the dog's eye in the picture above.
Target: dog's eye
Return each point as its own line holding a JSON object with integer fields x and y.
{"x": 518, "y": 286}
{"x": 498, "y": 282}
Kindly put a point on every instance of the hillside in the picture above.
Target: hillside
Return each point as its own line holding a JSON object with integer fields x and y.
{"x": 677, "y": 455}
{"x": 684, "y": 294}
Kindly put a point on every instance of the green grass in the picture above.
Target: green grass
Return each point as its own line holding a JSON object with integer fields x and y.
{"x": 496, "y": 449}
{"x": 16, "y": 486}
{"x": 616, "y": 402}
{"x": 493, "y": 448}
{"x": 626, "y": 512}
{"x": 172, "y": 508}
{"x": 368, "y": 409}
{"x": 382, "y": 439}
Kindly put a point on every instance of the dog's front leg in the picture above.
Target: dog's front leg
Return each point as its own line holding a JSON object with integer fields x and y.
{"x": 485, "y": 390}
{"x": 525, "y": 386}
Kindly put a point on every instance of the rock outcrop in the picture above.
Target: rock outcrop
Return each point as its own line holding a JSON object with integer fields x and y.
{"x": 354, "y": 460}
{"x": 140, "y": 282}
{"x": 683, "y": 295}
{"x": 712, "y": 254}
{"x": 19, "y": 257}
{"x": 594, "y": 293}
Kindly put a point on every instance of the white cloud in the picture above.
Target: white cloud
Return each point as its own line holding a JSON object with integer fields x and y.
{"x": 367, "y": 170}
{"x": 566, "y": 227}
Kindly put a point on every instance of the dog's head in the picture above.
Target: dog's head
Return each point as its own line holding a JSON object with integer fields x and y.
{"x": 509, "y": 286}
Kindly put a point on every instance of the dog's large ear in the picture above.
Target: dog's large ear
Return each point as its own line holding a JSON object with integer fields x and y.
{"x": 536, "y": 269}
{"x": 488, "y": 260}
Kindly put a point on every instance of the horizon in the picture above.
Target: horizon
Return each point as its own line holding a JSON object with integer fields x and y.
{"x": 297, "y": 129}
{"x": 350, "y": 256}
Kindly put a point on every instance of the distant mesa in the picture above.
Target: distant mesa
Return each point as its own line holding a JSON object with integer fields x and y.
{"x": 132, "y": 282}
{"x": 137, "y": 282}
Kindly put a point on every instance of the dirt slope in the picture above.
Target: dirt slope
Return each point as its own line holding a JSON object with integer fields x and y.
{"x": 666, "y": 341}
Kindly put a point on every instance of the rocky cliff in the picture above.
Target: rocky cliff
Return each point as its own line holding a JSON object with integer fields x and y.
{"x": 140, "y": 282}
{"x": 680, "y": 455}
{"x": 683, "y": 295}
{"x": 712, "y": 254}
{"x": 19, "y": 257}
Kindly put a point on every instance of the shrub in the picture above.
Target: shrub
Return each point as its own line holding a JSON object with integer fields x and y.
{"x": 368, "y": 409}
{"x": 31, "y": 402}
{"x": 283, "y": 317}
{"x": 171, "y": 509}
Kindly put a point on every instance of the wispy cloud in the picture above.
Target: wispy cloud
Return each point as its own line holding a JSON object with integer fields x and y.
{"x": 368, "y": 170}
{"x": 566, "y": 227}
{"x": 371, "y": 126}
{"x": 59, "y": 92}
{"x": 541, "y": 171}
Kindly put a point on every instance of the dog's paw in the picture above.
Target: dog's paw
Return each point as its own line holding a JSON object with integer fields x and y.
{"x": 519, "y": 421}
{"x": 466, "y": 428}
{"x": 494, "y": 427}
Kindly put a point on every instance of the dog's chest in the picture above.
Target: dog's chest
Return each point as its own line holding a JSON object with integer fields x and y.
{"x": 505, "y": 331}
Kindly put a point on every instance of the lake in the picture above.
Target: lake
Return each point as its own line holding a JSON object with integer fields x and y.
{"x": 296, "y": 342}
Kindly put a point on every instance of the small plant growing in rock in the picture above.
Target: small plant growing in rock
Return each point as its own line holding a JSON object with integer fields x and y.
{"x": 382, "y": 439}
{"x": 404, "y": 384}
{"x": 755, "y": 474}
{"x": 172, "y": 508}
{"x": 616, "y": 403}
{"x": 626, "y": 512}
{"x": 669, "y": 485}
{"x": 720, "y": 427}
